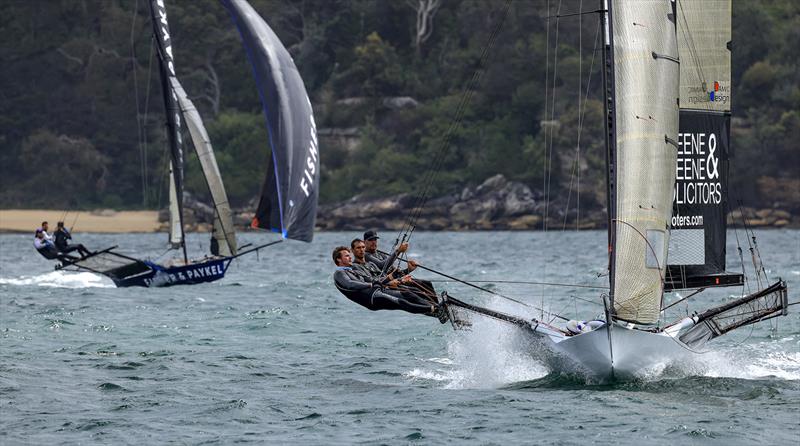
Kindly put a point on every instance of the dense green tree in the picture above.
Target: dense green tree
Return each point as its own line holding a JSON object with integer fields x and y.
{"x": 81, "y": 76}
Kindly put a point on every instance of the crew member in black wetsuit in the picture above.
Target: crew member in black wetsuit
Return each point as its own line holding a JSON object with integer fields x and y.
{"x": 62, "y": 235}
{"x": 359, "y": 287}
{"x": 380, "y": 259}
{"x": 357, "y": 247}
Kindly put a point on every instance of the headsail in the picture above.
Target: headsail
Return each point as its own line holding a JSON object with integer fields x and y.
{"x": 288, "y": 201}
{"x": 697, "y": 245}
{"x": 175, "y": 231}
{"x": 224, "y": 232}
{"x": 167, "y": 72}
{"x": 645, "y": 92}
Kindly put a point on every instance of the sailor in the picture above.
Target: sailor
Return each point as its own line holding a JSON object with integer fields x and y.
{"x": 44, "y": 246}
{"x": 44, "y": 229}
{"x": 214, "y": 242}
{"x": 62, "y": 235}
{"x": 382, "y": 260}
{"x": 355, "y": 285}
{"x": 360, "y": 262}
{"x": 419, "y": 288}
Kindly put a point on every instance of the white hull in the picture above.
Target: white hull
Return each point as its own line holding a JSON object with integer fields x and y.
{"x": 624, "y": 355}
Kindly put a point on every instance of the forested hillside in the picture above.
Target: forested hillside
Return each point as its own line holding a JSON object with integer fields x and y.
{"x": 82, "y": 118}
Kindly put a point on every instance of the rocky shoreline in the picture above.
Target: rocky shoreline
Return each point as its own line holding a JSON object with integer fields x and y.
{"x": 496, "y": 204}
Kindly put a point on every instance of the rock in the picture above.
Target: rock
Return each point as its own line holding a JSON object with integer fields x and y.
{"x": 400, "y": 102}
{"x": 525, "y": 222}
{"x": 494, "y": 183}
{"x": 781, "y": 223}
{"x": 781, "y": 214}
{"x": 763, "y": 213}
{"x": 519, "y": 200}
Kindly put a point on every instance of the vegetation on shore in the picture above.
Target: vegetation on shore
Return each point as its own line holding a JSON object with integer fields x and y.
{"x": 82, "y": 122}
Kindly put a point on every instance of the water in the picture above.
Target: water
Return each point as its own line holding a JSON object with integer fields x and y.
{"x": 274, "y": 354}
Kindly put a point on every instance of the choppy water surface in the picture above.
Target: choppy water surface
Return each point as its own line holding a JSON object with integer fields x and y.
{"x": 273, "y": 353}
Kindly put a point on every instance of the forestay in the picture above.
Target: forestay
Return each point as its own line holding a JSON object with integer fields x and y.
{"x": 224, "y": 232}
{"x": 697, "y": 245}
{"x": 289, "y": 195}
{"x": 645, "y": 72}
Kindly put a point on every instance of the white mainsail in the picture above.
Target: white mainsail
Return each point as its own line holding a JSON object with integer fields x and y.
{"x": 224, "y": 232}
{"x": 646, "y": 75}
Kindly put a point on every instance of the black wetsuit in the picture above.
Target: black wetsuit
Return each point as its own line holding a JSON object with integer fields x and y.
{"x": 62, "y": 235}
{"x": 368, "y": 268}
{"x": 357, "y": 286}
{"x": 381, "y": 260}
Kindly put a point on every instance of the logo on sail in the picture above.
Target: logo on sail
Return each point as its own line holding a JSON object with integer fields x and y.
{"x": 698, "y": 169}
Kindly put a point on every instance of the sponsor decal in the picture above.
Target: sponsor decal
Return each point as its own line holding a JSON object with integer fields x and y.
{"x": 700, "y": 195}
{"x": 702, "y": 95}
{"x": 698, "y": 170}
{"x": 191, "y": 273}
{"x": 312, "y": 161}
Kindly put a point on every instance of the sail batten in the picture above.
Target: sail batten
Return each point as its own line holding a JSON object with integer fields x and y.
{"x": 645, "y": 120}
{"x": 290, "y": 191}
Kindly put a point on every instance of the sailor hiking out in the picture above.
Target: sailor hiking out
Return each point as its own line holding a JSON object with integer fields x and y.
{"x": 374, "y": 293}
{"x": 62, "y": 234}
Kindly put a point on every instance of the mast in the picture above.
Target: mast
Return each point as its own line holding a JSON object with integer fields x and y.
{"x": 610, "y": 134}
{"x": 644, "y": 117}
{"x": 167, "y": 72}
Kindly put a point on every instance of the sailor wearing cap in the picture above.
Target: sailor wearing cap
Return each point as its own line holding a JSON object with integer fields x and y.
{"x": 382, "y": 260}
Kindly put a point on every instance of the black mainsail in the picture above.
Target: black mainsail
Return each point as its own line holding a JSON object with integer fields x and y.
{"x": 288, "y": 203}
{"x": 698, "y": 227}
{"x": 167, "y": 71}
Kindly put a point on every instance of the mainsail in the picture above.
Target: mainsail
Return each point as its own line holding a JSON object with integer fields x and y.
{"x": 697, "y": 245}
{"x": 167, "y": 72}
{"x": 644, "y": 79}
{"x": 288, "y": 203}
{"x": 224, "y": 232}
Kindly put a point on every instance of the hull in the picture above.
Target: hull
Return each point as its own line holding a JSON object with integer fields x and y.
{"x": 623, "y": 354}
{"x": 161, "y": 276}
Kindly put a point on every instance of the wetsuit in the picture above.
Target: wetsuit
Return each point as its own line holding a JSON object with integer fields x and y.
{"x": 381, "y": 260}
{"x": 368, "y": 268}
{"x": 62, "y": 235}
{"x": 358, "y": 287}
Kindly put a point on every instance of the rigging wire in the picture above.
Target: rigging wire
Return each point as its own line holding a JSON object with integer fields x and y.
{"x": 521, "y": 282}
{"x": 411, "y": 221}
{"x": 486, "y": 290}
{"x": 581, "y": 117}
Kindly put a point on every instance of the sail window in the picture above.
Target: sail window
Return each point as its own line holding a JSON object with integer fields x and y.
{"x": 654, "y": 250}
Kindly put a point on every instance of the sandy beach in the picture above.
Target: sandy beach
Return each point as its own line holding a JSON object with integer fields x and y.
{"x": 106, "y": 220}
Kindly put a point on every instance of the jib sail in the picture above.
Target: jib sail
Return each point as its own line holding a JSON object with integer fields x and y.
{"x": 223, "y": 233}
{"x": 288, "y": 203}
{"x": 697, "y": 242}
